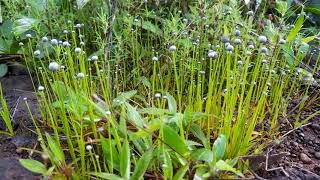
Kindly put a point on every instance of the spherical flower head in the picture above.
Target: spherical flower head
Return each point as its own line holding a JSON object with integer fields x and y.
{"x": 65, "y": 31}
{"x": 21, "y": 44}
{"x": 88, "y": 147}
{"x": 66, "y": 44}
{"x": 239, "y": 63}
{"x": 230, "y": 48}
{"x": 262, "y": 39}
{"x": 224, "y": 39}
{"x": 77, "y": 50}
{"x": 237, "y": 32}
{"x": 157, "y": 95}
{"x": 154, "y": 58}
{"x": 172, "y": 48}
{"x": 251, "y": 46}
{"x": 81, "y": 43}
{"x": 212, "y": 54}
{"x": 36, "y": 53}
{"x": 44, "y": 39}
{"x": 264, "y": 50}
{"x": 40, "y": 88}
{"x": 54, "y": 66}
{"x": 237, "y": 41}
{"x": 28, "y": 35}
{"x": 108, "y": 113}
{"x": 94, "y": 58}
{"x": 248, "y": 53}
{"x": 80, "y": 75}
{"x": 282, "y": 41}
{"x": 54, "y": 42}
{"x": 77, "y": 26}
{"x": 250, "y": 13}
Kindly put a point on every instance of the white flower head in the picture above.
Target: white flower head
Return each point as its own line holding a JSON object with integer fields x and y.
{"x": 237, "y": 41}
{"x": 54, "y": 42}
{"x": 230, "y": 48}
{"x": 77, "y": 50}
{"x": 36, "y": 52}
{"x": 262, "y": 39}
{"x": 80, "y": 75}
{"x": 65, "y": 44}
{"x": 77, "y": 26}
{"x": 94, "y": 58}
{"x": 282, "y": 41}
{"x": 28, "y": 35}
{"x": 212, "y": 54}
{"x": 264, "y": 50}
{"x": 21, "y": 44}
{"x": 88, "y": 147}
{"x": 44, "y": 39}
{"x": 172, "y": 48}
{"x": 40, "y": 88}
{"x": 251, "y": 46}
{"x": 157, "y": 95}
{"x": 54, "y": 66}
{"x": 154, "y": 58}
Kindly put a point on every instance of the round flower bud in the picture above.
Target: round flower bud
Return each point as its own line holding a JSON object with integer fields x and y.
{"x": 264, "y": 50}
{"x": 36, "y": 52}
{"x": 108, "y": 113}
{"x": 88, "y": 147}
{"x": 230, "y": 48}
{"x": 54, "y": 66}
{"x": 237, "y": 32}
{"x": 282, "y": 41}
{"x": 44, "y": 39}
{"x": 54, "y": 42}
{"x": 224, "y": 39}
{"x": 250, "y": 13}
{"x": 262, "y": 39}
{"x": 77, "y": 26}
{"x": 172, "y": 48}
{"x": 80, "y": 75}
{"x": 94, "y": 58}
{"x": 157, "y": 95}
{"x": 251, "y": 46}
{"x": 212, "y": 54}
{"x": 65, "y": 44}
{"x": 28, "y": 35}
{"x": 77, "y": 50}
{"x": 154, "y": 58}
{"x": 40, "y": 88}
{"x": 21, "y": 44}
{"x": 237, "y": 41}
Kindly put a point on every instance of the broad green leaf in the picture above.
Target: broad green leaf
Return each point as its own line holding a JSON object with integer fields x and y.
{"x": 223, "y": 166}
{"x": 145, "y": 81}
{"x": 142, "y": 165}
{"x": 153, "y": 111}
{"x": 219, "y": 147}
{"x": 281, "y": 7}
{"x": 197, "y": 132}
{"x": 55, "y": 149}
{"x": 172, "y": 104}
{"x": 313, "y": 10}
{"x": 125, "y": 160}
{"x": 297, "y": 27}
{"x": 123, "y": 97}
{"x": 202, "y": 154}
{"x": 3, "y": 70}
{"x": 33, "y": 166}
{"x": 134, "y": 116}
{"x": 167, "y": 165}
{"x": 288, "y": 53}
{"x": 174, "y": 141}
{"x": 180, "y": 173}
{"x": 107, "y": 176}
{"x": 309, "y": 39}
{"x": 303, "y": 50}
{"x": 24, "y": 24}
{"x": 110, "y": 152}
{"x": 149, "y": 26}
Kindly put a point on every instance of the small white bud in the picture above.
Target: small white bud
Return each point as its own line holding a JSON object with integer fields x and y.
{"x": 154, "y": 58}
{"x": 44, "y": 39}
{"x": 212, "y": 54}
{"x": 94, "y": 58}
{"x": 77, "y": 50}
{"x": 28, "y": 35}
{"x": 21, "y": 44}
{"x": 172, "y": 48}
{"x": 157, "y": 95}
{"x": 262, "y": 39}
{"x": 54, "y": 42}
{"x": 36, "y": 52}
{"x": 80, "y": 75}
{"x": 54, "y": 66}
{"x": 88, "y": 147}
{"x": 40, "y": 88}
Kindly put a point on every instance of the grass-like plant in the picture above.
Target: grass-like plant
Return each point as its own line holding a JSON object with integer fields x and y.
{"x": 165, "y": 95}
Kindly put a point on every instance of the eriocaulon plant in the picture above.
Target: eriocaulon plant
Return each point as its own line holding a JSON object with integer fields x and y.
{"x": 152, "y": 100}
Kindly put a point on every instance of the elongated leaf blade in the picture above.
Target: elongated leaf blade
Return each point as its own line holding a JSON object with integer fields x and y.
{"x": 180, "y": 173}
{"x": 125, "y": 160}
{"x": 33, "y": 166}
{"x": 134, "y": 116}
{"x": 297, "y": 27}
{"x": 107, "y": 176}
{"x": 142, "y": 165}
{"x": 55, "y": 149}
{"x": 219, "y": 146}
{"x": 175, "y": 142}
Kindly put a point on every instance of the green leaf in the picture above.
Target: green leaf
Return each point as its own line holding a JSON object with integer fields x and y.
{"x": 147, "y": 25}
{"x": 288, "y": 53}
{"x": 55, "y": 149}
{"x": 167, "y": 165}
{"x": 142, "y": 165}
{"x": 202, "y": 155}
{"x": 180, "y": 173}
{"x": 123, "y": 97}
{"x": 134, "y": 116}
{"x": 297, "y": 27}
{"x": 24, "y": 24}
{"x": 172, "y": 139}
{"x": 172, "y": 104}
{"x": 3, "y": 70}
{"x": 81, "y": 3}
{"x": 125, "y": 160}
{"x": 110, "y": 152}
{"x": 153, "y": 111}
{"x": 145, "y": 81}
{"x": 223, "y": 166}
{"x": 303, "y": 50}
{"x": 33, "y": 166}
{"x": 107, "y": 176}
{"x": 197, "y": 132}
{"x": 219, "y": 146}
